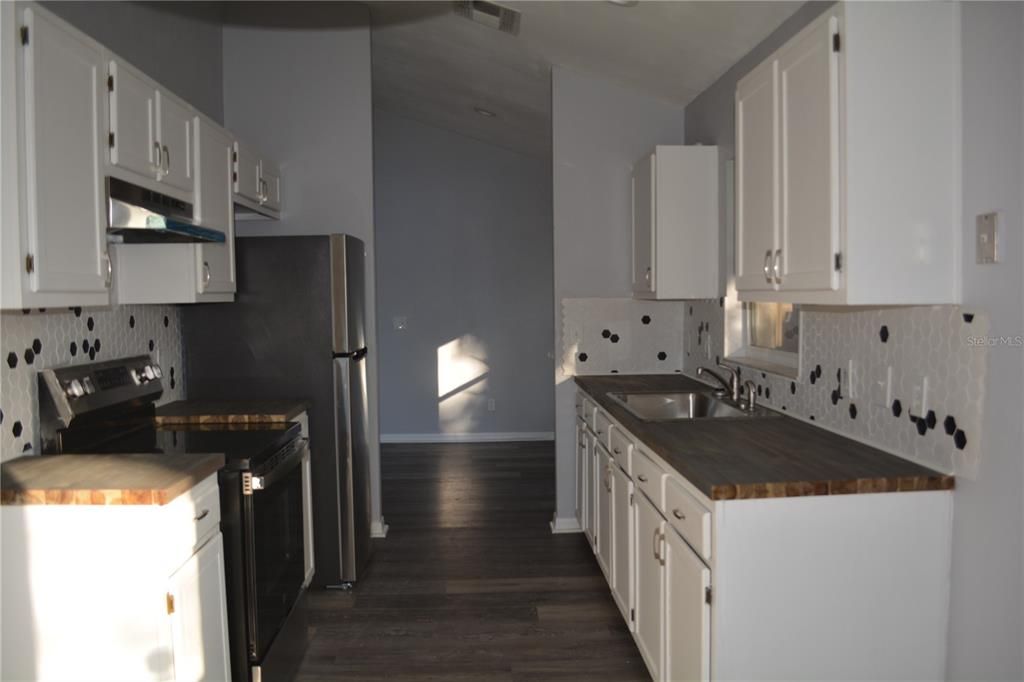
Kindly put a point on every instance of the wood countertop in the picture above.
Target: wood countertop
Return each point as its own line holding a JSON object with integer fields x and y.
{"x": 140, "y": 479}
{"x": 756, "y": 458}
{"x": 229, "y": 412}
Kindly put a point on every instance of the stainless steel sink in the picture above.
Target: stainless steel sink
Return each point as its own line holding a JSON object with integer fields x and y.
{"x": 661, "y": 407}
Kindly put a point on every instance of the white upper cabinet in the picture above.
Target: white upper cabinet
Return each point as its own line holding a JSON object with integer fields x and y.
{"x": 149, "y": 130}
{"x": 675, "y": 223}
{"x": 847, "y": 148}
{"x": 257, "y": 183}
{"x": 55, "y": 251}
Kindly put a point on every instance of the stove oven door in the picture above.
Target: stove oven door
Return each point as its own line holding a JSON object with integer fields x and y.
{"x": 274, "y": 552}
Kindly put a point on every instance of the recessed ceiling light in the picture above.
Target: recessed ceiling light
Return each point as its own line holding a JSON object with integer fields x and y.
{"x": 486, "y": 113}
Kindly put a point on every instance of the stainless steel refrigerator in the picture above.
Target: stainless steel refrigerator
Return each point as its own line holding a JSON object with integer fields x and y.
{"x": 297, "y": 331}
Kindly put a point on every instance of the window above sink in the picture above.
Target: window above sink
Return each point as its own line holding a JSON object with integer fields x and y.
{"x": 770, "y": 338}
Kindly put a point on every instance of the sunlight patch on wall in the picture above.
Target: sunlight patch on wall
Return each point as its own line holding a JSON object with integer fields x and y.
{"x": 461, "y": 384}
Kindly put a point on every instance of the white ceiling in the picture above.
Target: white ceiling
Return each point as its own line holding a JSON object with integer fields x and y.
{"x": 435, "y": 67}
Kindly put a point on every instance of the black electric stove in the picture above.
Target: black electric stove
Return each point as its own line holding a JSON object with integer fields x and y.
{"x": 108, "y": 408}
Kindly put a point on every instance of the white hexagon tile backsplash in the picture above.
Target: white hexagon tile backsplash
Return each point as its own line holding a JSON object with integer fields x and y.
{"x": 34, "y": 340}
{"x": 941, "y": 343}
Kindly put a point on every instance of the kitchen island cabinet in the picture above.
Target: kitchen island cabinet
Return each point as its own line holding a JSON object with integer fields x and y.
{"x": 763, "y": 548}
{"x": 113, "y": 569}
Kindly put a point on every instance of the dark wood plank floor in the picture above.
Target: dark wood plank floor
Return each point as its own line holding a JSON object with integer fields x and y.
{"x": 470, "y": 584}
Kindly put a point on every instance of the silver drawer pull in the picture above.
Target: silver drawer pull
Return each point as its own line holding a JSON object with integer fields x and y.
{"x": 643, "y": 479}
{"x": 203, "y": 515}
{"x": 617, "y": 451}
{"x": 679, "y": 515}
{"x": 600, "y": 432}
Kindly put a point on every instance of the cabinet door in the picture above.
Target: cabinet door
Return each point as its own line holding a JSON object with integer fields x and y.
{"x": 643, "y": 225}
{"x": 581, "y": 457}
{"x": 650, "y": 589}
{"x": 247, "y": 172}
{"x": 62, "y": 108}
{"x": 199, "y": 625}
{"x": 215, "y": 266}
{"x": 593, "y": 486}
{"x": 173, "y": 123}
{"x": 622, "y": 542}
{"x": 756, "y": 166}
{"x": 270, "y": 177}
{"x": 687, "y": 612}
{"x": 588, "y": 485}
{"x": 133, "y": 122}
{"x": 809, "y": 160}
{"x": 605, "y": 550}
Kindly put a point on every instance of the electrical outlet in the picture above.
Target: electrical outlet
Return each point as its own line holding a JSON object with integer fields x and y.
{"x": 490, "y": 405}
{"x": 707, "y": 346}
{"x": 851, "y": 382}
{"x": 919, "y": 398}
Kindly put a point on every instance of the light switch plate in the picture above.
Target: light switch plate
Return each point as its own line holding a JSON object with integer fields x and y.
{"x": 987, "y": 231}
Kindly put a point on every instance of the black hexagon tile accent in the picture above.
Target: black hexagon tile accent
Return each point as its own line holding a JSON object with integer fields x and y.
{"x": 817, "y": 371}
{"x": 78, "y": 310}
{"x": 582, "y": 357}
{"x": 853, "y": 411}
{"x": 37, "y": 346}
{"x": 73, "y": 349}
{"x": 167, "y": 321}
{"x": 930, "y": 419}
{"x": 792, "y": 388}
{"x": 835, "y": 396}
{"x": 922, "y": 427}
{"x": 605, "y": 333}
{"x": 960, "y": 439}
{"x": 646, "y": 319}
{"x": 30, "y": 356}
{"x": 85, "y": 345}
{"x": 949, "y": 424}
{"x": 662, "y": 355}
{"x": 153, "y": 345}
{"x": 968, "y": 317}
{"x": 16, "y": 429}
{"x": 96, "y": 345}
{"x": 615, "y": 338}
{"x": 883, "y": 333}
{"x": 897, "y": 408}
{"x": 90, "y": 323}
{"x": 92, "y": 353}
{"x": 12, "y": 359}
{"x": 814, "y": 377}
{"x": 768, "y": 392}
{"x": 131, "y": 321}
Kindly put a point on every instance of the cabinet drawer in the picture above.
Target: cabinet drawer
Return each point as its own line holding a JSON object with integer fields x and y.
{"x": 588, "y": 413}
{"x": 191, "y": 518}
{"x": 648, "y": 477}
{"x": 579, "y": 406}
{"x": 602, "y": 427}
{"x": 621, "y": 446}
{"x": 688, "y": 516}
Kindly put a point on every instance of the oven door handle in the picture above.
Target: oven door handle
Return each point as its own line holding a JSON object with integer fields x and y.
{"x": 298, "y": 452}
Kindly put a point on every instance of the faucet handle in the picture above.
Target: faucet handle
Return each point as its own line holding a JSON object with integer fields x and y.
{"x": 751, "y": 394}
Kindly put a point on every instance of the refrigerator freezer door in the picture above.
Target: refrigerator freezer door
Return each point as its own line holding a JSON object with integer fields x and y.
{"x": 348, "y": 291}
{"x": 353, "y": 464}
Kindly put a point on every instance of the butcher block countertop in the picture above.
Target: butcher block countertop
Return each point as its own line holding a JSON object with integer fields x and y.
{"x": 229, "y": 411}
{"x": 748, "y": 458}
{"x": 142, "y": 479}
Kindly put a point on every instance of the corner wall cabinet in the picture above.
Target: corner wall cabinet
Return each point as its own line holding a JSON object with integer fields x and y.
{"x": 675, "y": 223}
{"x": 75, "y": 114}
{"x": 164, "y": 613}
{"x": 847, "y": 159}
{"x": 774, "y": 588}
{"x": 257, "y": 183}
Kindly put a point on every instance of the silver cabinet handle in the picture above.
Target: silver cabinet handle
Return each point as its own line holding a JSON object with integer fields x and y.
{"x": 617, "y": 451}
{"x": 643, "y": 479}
{"x": 109, "y": 279}
{"x": 661, "y": 543}
{"x": 679, "y": 515}
{"x": 647, "y": 276}
{"x": 202, "y": 515}
{"x": 600, "y": 432}
{"x": 656, "y": 543}
{"x": 768, "y": 266}
{"x": 167, "y": 160}
{"x": 159, "y": 163}
{"x": 777, "y": 267}
{"x": 206, "y": 274}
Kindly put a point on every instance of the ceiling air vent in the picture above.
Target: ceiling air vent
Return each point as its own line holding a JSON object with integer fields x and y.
{"x": 487, "y": 13}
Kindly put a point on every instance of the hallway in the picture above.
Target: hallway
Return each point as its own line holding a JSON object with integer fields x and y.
{"x": 470, "y": 583}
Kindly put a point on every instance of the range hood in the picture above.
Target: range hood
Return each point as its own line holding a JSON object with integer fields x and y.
{"x": 136, "y": 215}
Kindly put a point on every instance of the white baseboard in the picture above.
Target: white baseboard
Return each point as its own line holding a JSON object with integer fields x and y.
{"x": 466, "y": 437}
{"x": 565, "y": 525}
{"x": 378, "y": 529}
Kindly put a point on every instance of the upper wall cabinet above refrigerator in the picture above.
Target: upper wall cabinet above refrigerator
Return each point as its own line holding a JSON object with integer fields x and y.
{"x": 257, "y": 184}
{"x": 847, "y": 160}
{"x": 675, "y": 223}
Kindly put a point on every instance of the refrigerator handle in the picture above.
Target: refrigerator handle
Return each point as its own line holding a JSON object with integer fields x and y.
{"x": 359, "y": 354}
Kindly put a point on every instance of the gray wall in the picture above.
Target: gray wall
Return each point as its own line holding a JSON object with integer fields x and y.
{"x": 599, "y": 130}
{"x": 297, "y": 86}
{"x": 986, "y": 606}
{"x": 178, "y": 44}
{"x": 464, "y": 254}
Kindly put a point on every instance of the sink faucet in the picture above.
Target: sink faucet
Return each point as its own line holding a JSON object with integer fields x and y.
{"x": 751, "y": 396}
{"x": 730, "y": 385}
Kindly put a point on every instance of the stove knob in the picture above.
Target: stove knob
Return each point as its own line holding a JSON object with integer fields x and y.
{"x": 157, "y": 371}
{"x": 75, "y": 389}
{"x": 135, "y": 376}
{"x": 148, "y": 371}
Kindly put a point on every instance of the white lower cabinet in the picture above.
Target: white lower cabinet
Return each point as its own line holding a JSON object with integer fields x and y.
{"x": 759, "y": 589}
{"x": 650, "y": 585}
{"x": 115, "y": 592}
